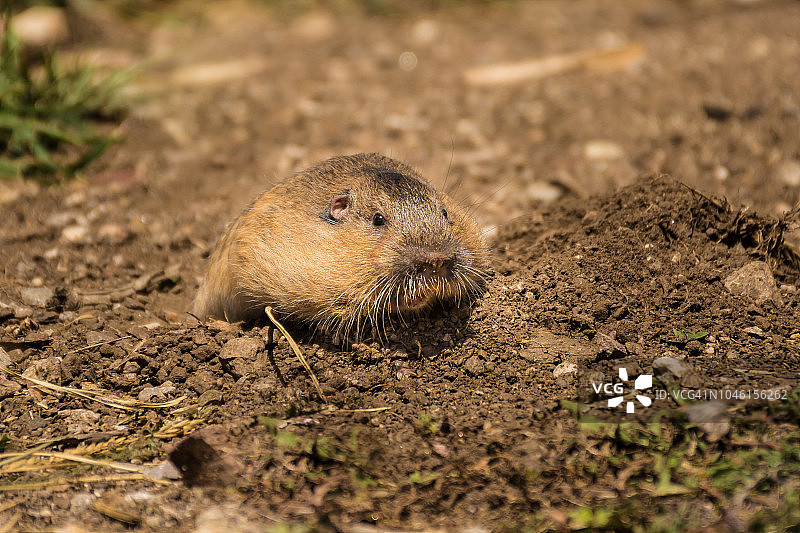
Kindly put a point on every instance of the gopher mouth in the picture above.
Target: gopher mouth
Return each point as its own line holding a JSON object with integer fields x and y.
{"x": 413, "y": 303}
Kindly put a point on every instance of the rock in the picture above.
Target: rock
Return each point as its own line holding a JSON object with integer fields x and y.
{"x": 5, "y": 359}
{"x": 694, "y": 348}
{"x": 22, "y": 311}
{"x": 474, "y": 366}
{"x": 221, "y": 519}
{"x": 667, "y": 366}
{"x": 721, "y": 173}
{"x": 201, "y": 381}
{"x": 755, "y": 331}
{"x": 81, "y": 502}
{"x": 607, "y": 347}
{"x": 156, "y": 394}
{"x": 566, "y": 369}
{"x": 603, "y": 150}
{"x": 247, "y": 347}
{"x": 210, "y": 396}
{"x": 130, "y": 366}
{"x": 6, "y": 311}
{"x": 36, "y": 296}
{"x": 754, "y": 281}
{"x": 711, "y": 417}
{"x": 165, "y": 470}
{"x": 634, "y": 348}
{"x": 425, "y": 31}
{"x": 112, "y": 233}
{"x": 41, "y": 26}
{"x": 141, "y": 496}
{"x": 16, "y": 355}
{"x": 75, "y": 233}
{"x": 314, "y": 26}
{"x": 80, "y": 420}
{"x": 243, "y": 356}
{"x": 601, "y": 310}
{"x": 13, "y": 190}
{"x": 59, "y": 219}
{"x": 97, "y": 337}
{"x": 789, "y": 173}
{"x": 543, "y": 191}
{"x": 8, "y": 388}
{"x": 46, "y": 370}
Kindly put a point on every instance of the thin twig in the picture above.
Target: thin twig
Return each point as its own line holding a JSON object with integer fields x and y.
{"x": 16, "y": 457}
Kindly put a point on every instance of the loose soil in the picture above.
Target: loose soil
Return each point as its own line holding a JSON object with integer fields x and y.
{"x": 603, "y": 194}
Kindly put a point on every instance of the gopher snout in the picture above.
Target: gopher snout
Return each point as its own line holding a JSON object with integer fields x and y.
{"x": 431, "y": 264}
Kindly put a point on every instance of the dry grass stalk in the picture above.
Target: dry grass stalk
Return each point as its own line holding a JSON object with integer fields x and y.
{"x": 12, "y": 522}
{"x": 297, "y": 351}
{"x": 66, "y": 482}
{"x": 172, "y": 429}
{"x": 97, "y": 396}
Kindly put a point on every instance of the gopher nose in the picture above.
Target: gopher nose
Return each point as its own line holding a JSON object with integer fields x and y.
{"x": 432, "y": 263}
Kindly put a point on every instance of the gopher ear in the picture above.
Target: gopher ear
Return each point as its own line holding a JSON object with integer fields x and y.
{"x": 340, "y": 207}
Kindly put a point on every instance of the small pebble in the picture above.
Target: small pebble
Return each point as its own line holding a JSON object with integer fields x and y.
{"x": 112, "y": 233}
{"x": 603, "y": 150}
{"x": 671, "y": 366}
{"x": 75, "y": 233}
{"x": 36, "y": 296}
{"x": 755, "y": 331}
{"x": 567, "y": 368}
{"x": 474, "y": 366}
{"x": 789, "y": 173}
{"x": 211, "y": 396}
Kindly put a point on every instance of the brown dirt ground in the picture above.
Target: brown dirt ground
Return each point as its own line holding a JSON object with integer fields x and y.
{"x": 465, "y": 418}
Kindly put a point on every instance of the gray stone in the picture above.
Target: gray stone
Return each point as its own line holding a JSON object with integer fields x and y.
{"x": 36, "y": 296}
{"x": 5, "y": 359}
{"x": 669, "y": 366}
{"x": 755, "y": 331}
{"x": 156, "y": 394}
{"x": 711, "y": 417}
{"x": 754, "y": 281}
{"x": 165, "y": 470}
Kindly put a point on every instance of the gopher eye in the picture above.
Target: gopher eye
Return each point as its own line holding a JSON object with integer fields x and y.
{"x": 444, "y": 212}
{"x": 378, "y": 220}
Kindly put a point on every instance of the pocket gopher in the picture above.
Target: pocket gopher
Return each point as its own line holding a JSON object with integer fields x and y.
{"x": 349, "y": 242}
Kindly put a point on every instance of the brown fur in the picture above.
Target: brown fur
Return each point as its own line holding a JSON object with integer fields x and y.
{"x": 309, "y": 247}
